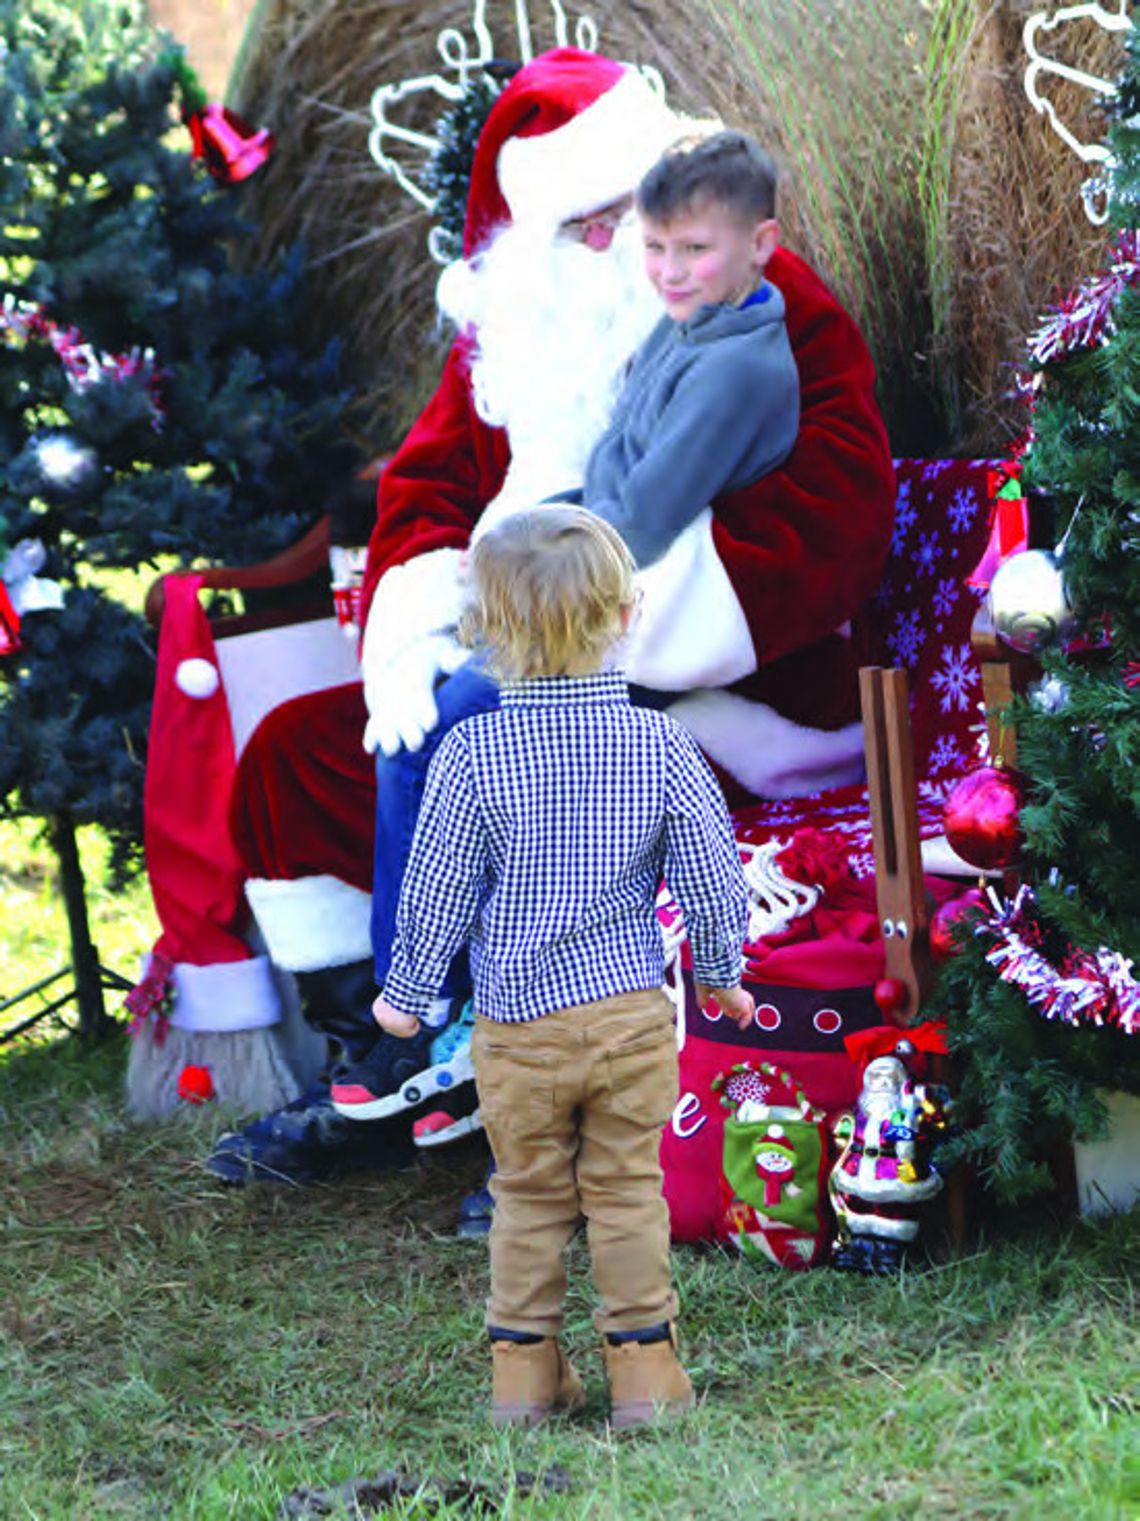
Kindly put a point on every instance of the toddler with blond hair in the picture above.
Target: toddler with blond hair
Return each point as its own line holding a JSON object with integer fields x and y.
{"x": 545, "y": 830}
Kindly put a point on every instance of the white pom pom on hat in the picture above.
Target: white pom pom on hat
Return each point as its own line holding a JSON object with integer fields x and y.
{"x": 197, "y": 677}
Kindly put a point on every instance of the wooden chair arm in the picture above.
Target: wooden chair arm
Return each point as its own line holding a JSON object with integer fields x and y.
{"x": 900, "y": 889}
{"x": 307, "y": 557}
{"x": 1004, "y": 672}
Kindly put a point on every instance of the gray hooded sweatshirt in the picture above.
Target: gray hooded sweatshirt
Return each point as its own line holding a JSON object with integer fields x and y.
{"x": 709, "y": 405}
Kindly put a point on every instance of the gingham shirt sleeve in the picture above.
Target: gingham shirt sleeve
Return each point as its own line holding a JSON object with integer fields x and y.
{"x": 444, "y": 880}
{"x": 702, "y": 865}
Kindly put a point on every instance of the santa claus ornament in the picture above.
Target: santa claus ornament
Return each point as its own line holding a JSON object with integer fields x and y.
{"x": 885, "y": 1171}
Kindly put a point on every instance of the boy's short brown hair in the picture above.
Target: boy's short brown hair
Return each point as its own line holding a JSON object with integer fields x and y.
{"x": 547, "y": 592}
{"x": 728, "y": 169}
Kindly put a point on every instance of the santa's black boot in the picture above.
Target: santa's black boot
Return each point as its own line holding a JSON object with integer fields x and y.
{"x": 307, "y": 1140}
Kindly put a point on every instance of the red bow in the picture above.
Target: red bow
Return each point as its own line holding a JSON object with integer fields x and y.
{"x": 153, "y": 995}
{"x": 883, "y": 1040}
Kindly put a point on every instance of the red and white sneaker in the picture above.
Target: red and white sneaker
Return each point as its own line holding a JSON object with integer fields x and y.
{"x": 441, "y": 1127}
{"x": 402, "y": 1074}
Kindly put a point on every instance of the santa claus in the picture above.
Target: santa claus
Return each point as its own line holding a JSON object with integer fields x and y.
{"x": 743, "y": 627}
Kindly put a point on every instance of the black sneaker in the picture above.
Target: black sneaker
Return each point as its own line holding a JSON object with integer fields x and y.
{"x": 393, "y": 1076}
{"x": 457, "y": 1115}
{"x": 307, "y": 1141}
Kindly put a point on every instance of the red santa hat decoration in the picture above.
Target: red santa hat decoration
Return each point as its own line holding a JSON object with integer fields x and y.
{"x": 911, "y": 1044}
{"x": 206, "y": 1000}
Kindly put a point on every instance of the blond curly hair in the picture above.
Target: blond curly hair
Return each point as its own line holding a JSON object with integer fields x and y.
{"x": 547, "y": 593}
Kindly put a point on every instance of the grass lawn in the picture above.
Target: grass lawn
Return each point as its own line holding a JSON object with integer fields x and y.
{"x": 33, "y": 925}
{"x": 169, "y": 1347}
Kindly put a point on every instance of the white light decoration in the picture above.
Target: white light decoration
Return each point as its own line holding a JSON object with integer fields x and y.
{"x": 1094, "y": 189}
{"x": 462, "y": 57}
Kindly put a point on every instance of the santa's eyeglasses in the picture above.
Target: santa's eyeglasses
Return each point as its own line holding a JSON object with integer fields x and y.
{"x": 596, "y": 229}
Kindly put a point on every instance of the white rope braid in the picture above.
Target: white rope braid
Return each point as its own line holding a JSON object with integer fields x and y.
{"x": 775, "y": 900}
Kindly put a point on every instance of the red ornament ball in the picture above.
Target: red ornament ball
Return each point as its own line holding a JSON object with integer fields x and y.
{"x": 981, "y": 816}
{"x": 947, "y": 916}
{"x": 195, "y": 1084}
{"x": 890, "y": 993}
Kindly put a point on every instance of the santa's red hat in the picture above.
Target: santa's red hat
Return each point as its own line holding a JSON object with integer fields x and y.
{"x": 571, "y": 132}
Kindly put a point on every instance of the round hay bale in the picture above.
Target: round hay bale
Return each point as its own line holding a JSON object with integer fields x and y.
{"x": 1019, "y": 238}
{"x": 919, "y": 180}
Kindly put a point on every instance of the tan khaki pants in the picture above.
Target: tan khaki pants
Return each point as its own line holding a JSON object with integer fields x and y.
{"x": 573, "y": 1105}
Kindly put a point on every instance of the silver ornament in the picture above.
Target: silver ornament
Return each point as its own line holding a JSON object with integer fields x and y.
{"x": 1029, "y": 604}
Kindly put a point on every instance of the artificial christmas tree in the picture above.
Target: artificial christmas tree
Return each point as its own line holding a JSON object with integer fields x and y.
{"x": 155, "y": 402}
{"x": 1042, "y": 1003}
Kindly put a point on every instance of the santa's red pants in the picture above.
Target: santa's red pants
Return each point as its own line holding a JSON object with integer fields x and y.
{"x": 304, "y": 797}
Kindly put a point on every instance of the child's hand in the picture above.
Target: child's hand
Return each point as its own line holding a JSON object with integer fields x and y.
{"x": 394, "y": 1021}
{"x": 734, "y": 1002}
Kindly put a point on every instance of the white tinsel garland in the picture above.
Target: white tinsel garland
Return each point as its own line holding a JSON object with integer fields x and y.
{"x": 1093, "y": 988}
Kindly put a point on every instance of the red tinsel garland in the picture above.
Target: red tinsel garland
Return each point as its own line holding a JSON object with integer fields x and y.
{"x": 1084, "y": 317}
{"x": 83, "y": 364}
{"x": 1089, "y": 987}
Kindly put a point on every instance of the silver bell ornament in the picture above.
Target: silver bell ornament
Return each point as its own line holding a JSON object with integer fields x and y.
{"x": 1029, "y": 603}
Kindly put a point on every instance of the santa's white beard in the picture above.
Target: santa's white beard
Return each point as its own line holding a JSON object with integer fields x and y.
{"x": 555, "y": 324}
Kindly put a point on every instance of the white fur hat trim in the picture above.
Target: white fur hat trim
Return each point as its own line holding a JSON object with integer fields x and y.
{"x": 593, "y": 159}
{"x": 225, "y": 996}
{"x": 311, "y": 922}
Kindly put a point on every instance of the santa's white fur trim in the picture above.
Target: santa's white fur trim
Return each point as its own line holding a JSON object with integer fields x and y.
{"x": 767, "y": 753}
{"x": 312, "y": 922}
{"x": 593, "y": 159}
{"x": 690, "y": 630}
{"x": 225, "y": 996}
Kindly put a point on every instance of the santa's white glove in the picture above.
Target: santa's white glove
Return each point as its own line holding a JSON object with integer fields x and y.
{"x": 420, "y": 597}
{"x": 402, "y": 705}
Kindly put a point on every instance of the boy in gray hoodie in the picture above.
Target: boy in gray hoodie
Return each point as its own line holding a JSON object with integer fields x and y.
{"x": 711, "y": 401}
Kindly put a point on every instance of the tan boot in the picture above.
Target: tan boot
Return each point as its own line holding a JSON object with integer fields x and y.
{"x": 645, "y": 1380}
{"x": 530, "y": 1380}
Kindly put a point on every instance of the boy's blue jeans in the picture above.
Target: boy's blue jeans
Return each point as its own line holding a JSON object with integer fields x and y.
{"x": 400, "y": 782}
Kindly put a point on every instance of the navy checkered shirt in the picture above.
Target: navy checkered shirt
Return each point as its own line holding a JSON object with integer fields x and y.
{"x": 544, "y": 833}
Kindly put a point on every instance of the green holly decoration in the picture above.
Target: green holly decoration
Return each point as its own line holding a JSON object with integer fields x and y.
{"x": 448, "y": 170}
